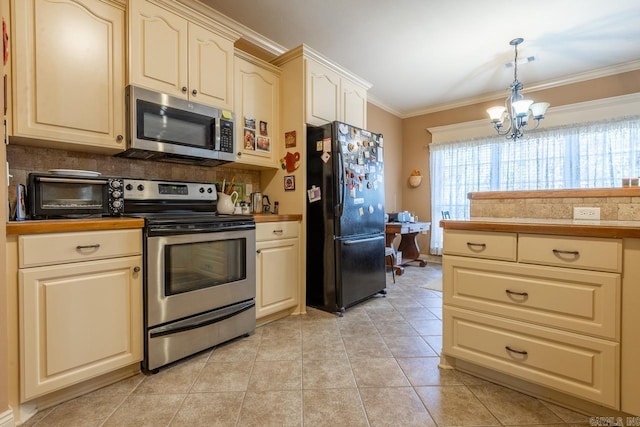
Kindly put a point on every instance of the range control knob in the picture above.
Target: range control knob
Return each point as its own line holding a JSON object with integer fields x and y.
{"x": 140, "y": 187}
{"x": 201, "y": 189}
{"x": 209, "y": 190}
{"x": 116, "y": 194}
{"x": 129, "y": 187}
{"x": 117, "y": 203}
{"x": 116, "y": 183}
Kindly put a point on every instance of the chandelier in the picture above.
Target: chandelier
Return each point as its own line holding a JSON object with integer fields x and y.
{"x": 513, "y": 118}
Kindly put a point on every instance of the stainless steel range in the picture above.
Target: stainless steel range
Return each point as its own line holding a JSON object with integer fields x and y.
{"x": 200, "y": 283}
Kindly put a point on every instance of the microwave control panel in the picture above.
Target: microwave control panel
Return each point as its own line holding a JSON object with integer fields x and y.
{"x": 226, "y": 136}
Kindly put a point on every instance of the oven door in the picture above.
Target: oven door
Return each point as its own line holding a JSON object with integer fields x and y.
{"x": 189, "y": 274}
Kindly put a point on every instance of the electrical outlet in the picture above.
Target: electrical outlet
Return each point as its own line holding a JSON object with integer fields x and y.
{"x": 592, "y": 214}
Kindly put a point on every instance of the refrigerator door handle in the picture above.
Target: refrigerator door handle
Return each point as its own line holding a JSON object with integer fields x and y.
{"x": 369, "y": 239}
{"x": 340, "y": 206}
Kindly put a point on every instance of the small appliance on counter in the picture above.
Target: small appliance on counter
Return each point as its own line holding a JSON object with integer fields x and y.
{"x": 403, "y": 216}
{"x": 69, "y": 193}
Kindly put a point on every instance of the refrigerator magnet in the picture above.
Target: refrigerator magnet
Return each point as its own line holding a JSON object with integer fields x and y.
{"x": 371, "y": 210}
{"x": 326, "y": 145}
{"x": 358, "y": 201}
{"x": 352, "y": 191}
{"x": 314, "y": 194}
{"x": 318, "y": 145}
{"x": 361, "y": 211}
{"x": 325, "y": 157}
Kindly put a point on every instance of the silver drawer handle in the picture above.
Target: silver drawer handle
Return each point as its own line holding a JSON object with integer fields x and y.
{"x": 481, "y": 245}
{"x": 561, "y": 252}
{"x": 524, "y": 353}
{"x": 80, "y": 247}
{"x": 520, "y": 294}
{"x": 277, "y": 231}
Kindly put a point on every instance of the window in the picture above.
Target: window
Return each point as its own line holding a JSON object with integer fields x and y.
{"x": 588, "y": 155}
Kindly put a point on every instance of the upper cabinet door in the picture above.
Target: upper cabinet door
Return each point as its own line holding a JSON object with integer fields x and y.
{"x": 69, "y": 72}
{"x": 210, "y": 68}
{"x": 354, "y": 104}
{"x": 158, "y": 49}
{"x": 257, "y": 94}
{"x": 173, "y": 55}
{"x": 323, "y": 94}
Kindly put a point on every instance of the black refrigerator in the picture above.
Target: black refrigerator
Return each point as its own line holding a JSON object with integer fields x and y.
{"x": 345, "y": 216}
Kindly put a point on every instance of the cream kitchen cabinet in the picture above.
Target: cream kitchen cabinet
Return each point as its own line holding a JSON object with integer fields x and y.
{"x": 543, "y": 309}
{"x": 257, "y": 96}
{"x": 277, "y": 272}
{"x": 331, "y": 96}
{"x": 176, "y": 51}
{"x": 80, "y": 305}
{"x": 68, "y": 74}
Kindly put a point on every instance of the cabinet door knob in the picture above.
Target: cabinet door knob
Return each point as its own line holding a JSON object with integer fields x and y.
{"x": 258, "y": 251}
{"x": 184, "y": 89}
{"x": 136, "y": 269}
{"x": 119, "y": 138}
{"x": 239, "y": 154}
{"x": 194, "y": 92}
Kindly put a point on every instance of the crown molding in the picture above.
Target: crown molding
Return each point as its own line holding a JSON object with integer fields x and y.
{"x": 580, "y": 112}
{"x": 574, "y": 78}
{"x": 308, "y": 52}
{"x": 378, "y": 103}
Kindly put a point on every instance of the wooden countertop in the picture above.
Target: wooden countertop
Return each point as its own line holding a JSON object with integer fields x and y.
{"x": 66, "y": 225}
{"x": 612, "y": 229}
{"x": 274, "y": 218}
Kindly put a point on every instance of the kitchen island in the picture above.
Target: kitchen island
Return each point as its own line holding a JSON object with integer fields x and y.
{"x": 547, "y": 307}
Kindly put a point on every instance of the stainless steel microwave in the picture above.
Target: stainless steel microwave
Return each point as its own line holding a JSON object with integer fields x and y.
{"x": 73, "y": 194}
{"x": 168, "y": 128}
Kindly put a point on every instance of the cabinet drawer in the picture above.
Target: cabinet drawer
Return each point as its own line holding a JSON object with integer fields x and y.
{"x": 580, "y": 301}
{"x": 276, "y": 230}
{"x": 58, "y": 248}
{"x": 574, "y": 364}
{"x": 587, "y": 253}
{"x": 481, "y": 244}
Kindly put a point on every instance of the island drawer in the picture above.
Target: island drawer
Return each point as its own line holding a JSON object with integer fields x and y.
{"x": 584, "y": 367}
{"x": 481, "y": 244}
{"x": 580, "y": 301}
{"x": 589, "y": 253}
{"x": 57, "y": 248}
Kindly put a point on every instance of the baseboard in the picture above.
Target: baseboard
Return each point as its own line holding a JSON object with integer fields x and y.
{"x": 433, "y": 259}
{"x": 6, "y": 419}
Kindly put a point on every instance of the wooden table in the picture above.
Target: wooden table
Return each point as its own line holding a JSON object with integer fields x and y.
{"x": 408, "y": 243}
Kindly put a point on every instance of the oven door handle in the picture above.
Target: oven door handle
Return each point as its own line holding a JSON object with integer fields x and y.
{"x": 201, "y": 320}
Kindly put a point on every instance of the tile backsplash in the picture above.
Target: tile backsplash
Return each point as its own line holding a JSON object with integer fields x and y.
{"x": 613, "y": 207}
{"x": 25, "y": 159}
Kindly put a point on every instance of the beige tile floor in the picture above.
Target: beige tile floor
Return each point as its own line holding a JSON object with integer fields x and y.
{"x": 376, "y": 366}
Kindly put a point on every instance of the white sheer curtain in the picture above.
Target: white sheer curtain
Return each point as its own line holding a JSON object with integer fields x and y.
{"x": 588, "y": 155}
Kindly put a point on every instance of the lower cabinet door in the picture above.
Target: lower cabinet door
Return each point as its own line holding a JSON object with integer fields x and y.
{"x": 276, "y": 276}
{"x": 78, "y": 321}
{"x": 575, "y": 364}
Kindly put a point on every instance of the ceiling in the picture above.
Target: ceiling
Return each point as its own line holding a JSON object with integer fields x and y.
{"x": 428, "y": 55}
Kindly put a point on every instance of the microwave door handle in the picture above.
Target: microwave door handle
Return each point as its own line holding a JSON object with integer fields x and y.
{"x": 73, "y": 180}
